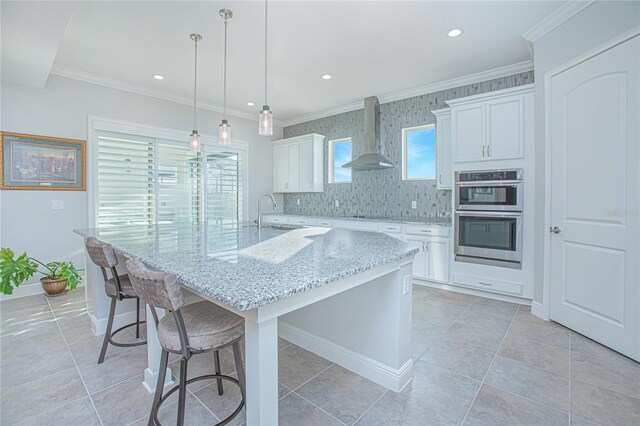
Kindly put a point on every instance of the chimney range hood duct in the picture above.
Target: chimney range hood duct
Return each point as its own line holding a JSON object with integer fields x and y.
{"x": 370, "y": 159}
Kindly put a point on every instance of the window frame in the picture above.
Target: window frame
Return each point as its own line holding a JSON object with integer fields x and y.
{"x": 100, "y": 124}
{"x": 331, "y": 160}
{"x": 405, "y": 163}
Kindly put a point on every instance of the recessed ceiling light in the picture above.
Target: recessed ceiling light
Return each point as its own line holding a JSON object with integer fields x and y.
{"x": 158, "y": 76}
{"x": 454, "y": 32}
{"x": 326, "y": 76}
{"x": 251, "y": 103}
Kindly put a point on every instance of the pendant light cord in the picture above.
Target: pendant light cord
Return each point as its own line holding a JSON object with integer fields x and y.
{"x": 224, "y": 78}
{"x": 265, "y": 53}
{"x": 195, "y": 83}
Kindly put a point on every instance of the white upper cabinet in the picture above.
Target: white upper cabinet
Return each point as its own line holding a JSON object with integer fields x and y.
{"x": 444, "y": 159}
{"x": 298, "y": 163}
{"x": 491, "y": 126}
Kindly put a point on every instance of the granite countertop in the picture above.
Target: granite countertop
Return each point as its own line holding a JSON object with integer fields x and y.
{"x": 407, "y": 220}
{"x": 237, "y": 266}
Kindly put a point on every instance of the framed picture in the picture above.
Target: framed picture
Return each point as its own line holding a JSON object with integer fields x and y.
{"x": 42, "y": 163}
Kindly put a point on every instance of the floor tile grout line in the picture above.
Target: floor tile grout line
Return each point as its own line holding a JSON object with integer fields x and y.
{"x": 464, "y": 419}
{"x": 22, "y": 422}
{"x": 324, "y": 411}
{"x": 371, "y": 406}
{"x": 203, "y": 404}
{"x": 76, "y": 365}
{"x": 311, "y": 378}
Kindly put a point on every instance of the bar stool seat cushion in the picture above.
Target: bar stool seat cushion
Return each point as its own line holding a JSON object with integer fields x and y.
{"x": 208, "y": 326}
{"x": 125, "y": 286}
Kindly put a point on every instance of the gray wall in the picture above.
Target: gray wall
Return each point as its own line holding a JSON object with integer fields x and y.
{"x": 27, "y": 221}
{"x": 382, "y": 193}
{"x": 595, "y": 25}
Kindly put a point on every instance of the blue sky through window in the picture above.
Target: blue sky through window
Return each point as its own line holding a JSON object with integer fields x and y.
{"x": 421, "y": 153}
{"x": 341, "y": 155}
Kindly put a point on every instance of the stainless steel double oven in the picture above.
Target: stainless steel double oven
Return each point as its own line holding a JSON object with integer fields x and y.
{"x": 488, "y": 217}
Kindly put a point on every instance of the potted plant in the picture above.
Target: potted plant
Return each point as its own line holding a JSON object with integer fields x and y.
{"x": 57, "y": 275}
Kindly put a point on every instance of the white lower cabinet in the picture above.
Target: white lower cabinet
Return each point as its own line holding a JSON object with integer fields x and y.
{"x": 432, "y": 262}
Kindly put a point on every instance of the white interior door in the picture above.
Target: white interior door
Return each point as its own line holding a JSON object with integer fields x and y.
{"x": 595, "y": 191}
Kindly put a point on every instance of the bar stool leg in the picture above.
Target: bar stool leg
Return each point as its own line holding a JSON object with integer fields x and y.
{"x": 216, "y": 359}
{"x": 164, "y": 359}
{"x": 237, "y": 356}
{"x": 182, "y": 391}
{"x": 107, "y": 333}
{"x": 137, "y": 317}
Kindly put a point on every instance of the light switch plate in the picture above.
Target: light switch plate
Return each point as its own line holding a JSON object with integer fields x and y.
{"x": 57, "y": 204}
{"x": 337, "y": 203}
{"x": 414, "y": 204}
{"x": 406, "y": 285}
{"x": 298, "y": 201}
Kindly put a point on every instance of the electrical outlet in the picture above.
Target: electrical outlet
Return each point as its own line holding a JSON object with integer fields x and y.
{"x": 406, "y": 285}
{"x": 414, "y": 204}
{"x": 57, "y": 204}
{"x": 337, "y": 203}
{"x": 298, "y": 201}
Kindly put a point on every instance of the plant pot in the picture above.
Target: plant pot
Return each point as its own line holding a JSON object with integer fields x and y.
{"x": 54, "y": 287}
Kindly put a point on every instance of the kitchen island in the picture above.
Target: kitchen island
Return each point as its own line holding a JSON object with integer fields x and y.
{"x": 343, "y": 294}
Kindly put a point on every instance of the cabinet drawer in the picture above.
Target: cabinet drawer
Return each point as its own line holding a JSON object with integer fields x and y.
{"x": 356, "y": 225}
{"x": 489, "y": 284}
{"x": 274, "y": 219}
{"x": 393, "y": 228}
{"x": 441, "y": 231}
{"x": 302, "y": 221}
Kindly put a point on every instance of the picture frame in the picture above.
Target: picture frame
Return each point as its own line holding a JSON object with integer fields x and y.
{"x": 33, "y": 162}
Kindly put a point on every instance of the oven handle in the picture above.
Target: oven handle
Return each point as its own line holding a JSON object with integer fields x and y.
{"x": 489, "y": 214}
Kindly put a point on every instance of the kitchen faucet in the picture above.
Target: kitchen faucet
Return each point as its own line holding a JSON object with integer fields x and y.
{"x": 275, "y": 207}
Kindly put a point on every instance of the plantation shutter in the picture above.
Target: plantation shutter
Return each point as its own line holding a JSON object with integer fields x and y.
{"x": 179, "y": 183}
{"x": 125, "y": 179}
{"x": 224, "y": 186}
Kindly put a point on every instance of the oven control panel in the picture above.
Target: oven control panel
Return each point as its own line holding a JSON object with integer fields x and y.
{"x": 479, "y": 176}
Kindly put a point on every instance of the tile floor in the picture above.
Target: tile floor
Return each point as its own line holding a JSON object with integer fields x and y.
{"x": 478, "y": 361}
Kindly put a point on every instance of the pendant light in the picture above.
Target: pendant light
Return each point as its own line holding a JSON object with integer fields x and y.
{"x": 224, "y": 130}
{"x": 265, "y": 119}
{"x": 194, "y": 144}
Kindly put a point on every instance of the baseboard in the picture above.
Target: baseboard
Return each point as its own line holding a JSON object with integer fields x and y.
{"x": 472, "y": 292}
{"x": 394, "y": 379}
{"x": 27, "y": 290}
{"x": 538, "y": 310}
{"x": 99, "y": 326}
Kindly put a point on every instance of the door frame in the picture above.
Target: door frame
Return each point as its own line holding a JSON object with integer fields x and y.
{"x": 543, "y": 310}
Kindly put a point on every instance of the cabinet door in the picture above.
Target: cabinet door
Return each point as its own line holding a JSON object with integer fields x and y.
{"x": 468, "y": 133}
{"x": 293, "y": 169}
{"x": 306, "y": 165}
{"x": 280, "y": 168}
{"x": 444, "y": 159}
{"x": 505, "y": 128}
{"x": 420, "y": 261}
{"x": 438, "y": 259}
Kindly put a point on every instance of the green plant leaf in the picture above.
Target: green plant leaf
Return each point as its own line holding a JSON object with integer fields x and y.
{"x": 14, "y": 272}
{"x": 70, "y": 273}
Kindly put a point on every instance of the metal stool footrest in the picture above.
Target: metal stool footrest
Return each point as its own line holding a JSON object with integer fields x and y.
{"x": 195, "y": 379}
{"x": 126, "y": 345}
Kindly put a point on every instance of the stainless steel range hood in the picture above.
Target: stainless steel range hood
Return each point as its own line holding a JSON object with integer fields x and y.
{"x": 370, "y": 159}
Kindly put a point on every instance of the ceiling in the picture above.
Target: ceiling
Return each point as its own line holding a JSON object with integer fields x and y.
{"x": 371, "y": 48}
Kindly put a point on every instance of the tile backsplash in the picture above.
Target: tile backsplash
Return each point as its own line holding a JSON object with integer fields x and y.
{"x": 383, "y": 193}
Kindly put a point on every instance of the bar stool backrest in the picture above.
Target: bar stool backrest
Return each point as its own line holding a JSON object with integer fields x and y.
{"x": 104, "y": 256}
{"x": 158, "y": 289}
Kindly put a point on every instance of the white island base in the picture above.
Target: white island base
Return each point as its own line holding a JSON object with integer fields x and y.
{"x": 361, "y": 322}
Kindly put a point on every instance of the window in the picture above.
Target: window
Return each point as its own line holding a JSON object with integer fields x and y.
{"x": 145, "y": 180}
{"x": 339, "y": 154}
{"x": 419, "y": 152}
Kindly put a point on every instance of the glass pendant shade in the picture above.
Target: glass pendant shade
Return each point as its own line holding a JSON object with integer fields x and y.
{"x": 265, "y": 122}
{"x": 224, "y": 133}
{"x": 194, "y": 143}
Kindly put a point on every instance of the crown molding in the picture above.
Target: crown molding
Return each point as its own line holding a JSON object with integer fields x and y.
{"x": 153, "y": 93}
{"x": 418, "y": 91}
{"x": 556, "y": 18}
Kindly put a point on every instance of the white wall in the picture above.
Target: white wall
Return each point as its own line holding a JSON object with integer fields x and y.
{"x": 27, "y": 222}
{"x": 588, "y": 29}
